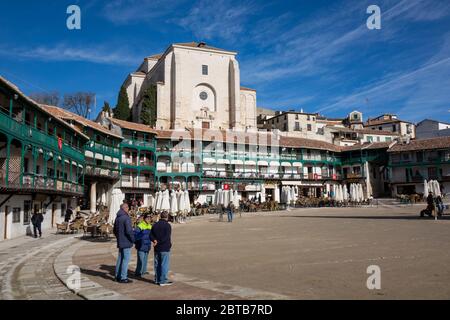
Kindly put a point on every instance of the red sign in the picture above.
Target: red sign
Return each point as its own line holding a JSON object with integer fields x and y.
{"x": 60, "y": 142}
{"x": 316, "y": 176}
{"x": 226, "y": 187}
{"x": 334, "y": 176}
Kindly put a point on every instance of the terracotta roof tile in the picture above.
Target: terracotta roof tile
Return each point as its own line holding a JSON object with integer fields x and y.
{"x": 368, "y": 146}
{"x": 422, "y": 144}
{"x": 260, "y": 138}
{"x": 132, "y": 125}
{"x": 67, "y": 115}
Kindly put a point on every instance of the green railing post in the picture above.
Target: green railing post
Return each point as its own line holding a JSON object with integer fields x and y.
{"x": 8, "y": 150}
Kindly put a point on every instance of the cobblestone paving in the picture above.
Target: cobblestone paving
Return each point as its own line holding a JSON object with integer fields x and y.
{"x": 26, "y": 268}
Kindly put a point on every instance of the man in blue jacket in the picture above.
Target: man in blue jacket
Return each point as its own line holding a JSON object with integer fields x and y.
{"x": 161, "y": 236}
{"x": 125, "y": 239}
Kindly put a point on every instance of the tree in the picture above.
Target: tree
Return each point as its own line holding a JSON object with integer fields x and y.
{"x": 48, "y": 98}
{"x": 148, "y": 111}
{"x": 79, "y": 103}
{"x": 122, "y": 109}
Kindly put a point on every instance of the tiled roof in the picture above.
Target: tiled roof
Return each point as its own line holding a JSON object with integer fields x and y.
{"x": 67, "y": 115}
{"x": 368, "y": 146}
{"x": 155, "y": 56}
{"x": 260, "y": 138}
{"x": 248, "y": 89}
{"x": 194, "y": 44}
{"x": 422, "y": 144}
{"x": 39, "y": 106}
{"x": 308, "y": 143}
{"x": 132, "y": 125}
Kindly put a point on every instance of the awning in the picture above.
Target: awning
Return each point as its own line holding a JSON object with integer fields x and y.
{"x": 297, "y": 164}
{"x": 274, "y": 164}
{"x": 262, "y": 163}
{"x": 115, "y": 160}
{"x": 223, "y": 161}
{"x": 285, "y": 164}
{"x": 235, "y": 161}
{"x": 98, "y": 156}
{"x": 108, "y": 158}
{"x": 209, "y": 160}
{"x": 89, "y": 154}
{"x": 250, "y": 163}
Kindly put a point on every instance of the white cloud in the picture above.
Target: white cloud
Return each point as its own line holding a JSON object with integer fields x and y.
{"x": 413, "y": 94}
{"x": 133, "y": 11}
{"x": 210, "y": 19}
{"x": 64, "y": 52}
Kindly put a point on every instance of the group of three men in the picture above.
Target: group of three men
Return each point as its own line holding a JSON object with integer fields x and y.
{"x": 143, "y": 237}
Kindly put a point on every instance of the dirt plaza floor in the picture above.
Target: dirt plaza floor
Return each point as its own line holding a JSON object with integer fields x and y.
{"x": 322, "y": 253}
{"x": 317, "y": 253}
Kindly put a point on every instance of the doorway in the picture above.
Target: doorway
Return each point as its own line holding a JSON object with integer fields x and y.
{"x": 5, "y": 231}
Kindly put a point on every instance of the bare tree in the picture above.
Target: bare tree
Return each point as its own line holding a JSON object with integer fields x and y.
{"x": 79, "y": 102}
{"x": 49, "y": 98}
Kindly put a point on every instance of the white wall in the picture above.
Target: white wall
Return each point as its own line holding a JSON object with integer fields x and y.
{"x": 19, "y": 228}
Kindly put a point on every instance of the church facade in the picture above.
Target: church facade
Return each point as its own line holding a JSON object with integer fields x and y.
{"x": 197, "y": 86}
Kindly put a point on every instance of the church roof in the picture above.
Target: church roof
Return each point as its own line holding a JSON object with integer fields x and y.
{"x": 194, "y": 44}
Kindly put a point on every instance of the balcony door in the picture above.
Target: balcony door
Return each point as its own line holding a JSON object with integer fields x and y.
{"x": 205, "y": 125}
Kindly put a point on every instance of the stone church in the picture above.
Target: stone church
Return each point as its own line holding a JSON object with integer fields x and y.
{"x": 197, "y": 86}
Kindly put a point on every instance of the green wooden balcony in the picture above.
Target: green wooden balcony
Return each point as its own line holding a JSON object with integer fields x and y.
{"x": 34, "y": 136}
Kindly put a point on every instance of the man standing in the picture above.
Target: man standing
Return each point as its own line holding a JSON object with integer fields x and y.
{"x": 36, "y": 220}
{"x": 125, "y": 239}
{"x": 161, "y": 235}
{"x": 68, "y": 214}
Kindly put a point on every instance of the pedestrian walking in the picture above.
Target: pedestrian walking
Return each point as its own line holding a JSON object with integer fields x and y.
{"x": 37, "y": 220}
{"x": 68, "y": 215}
{"x": 161, "y": 235}
{"x": 143, "y": 244}
{"x": 230, "y": 212}
{"x": 125, "y": 239}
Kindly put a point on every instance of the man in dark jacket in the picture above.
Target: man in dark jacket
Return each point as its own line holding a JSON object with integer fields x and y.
{"x": 36, "y": 220}
{"x": 125, "y": 239}
{"x": 161, "y": 236}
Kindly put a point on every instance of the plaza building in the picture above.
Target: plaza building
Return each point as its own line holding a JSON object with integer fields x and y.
{"x": 42, "y": 163}
{"x": 412, "y": 163}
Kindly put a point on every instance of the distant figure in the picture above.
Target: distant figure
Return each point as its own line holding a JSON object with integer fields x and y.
{"x": 68, "y": 215}
{"x": 230, "y": 210}
{"x": 161, "y": 235}
{"x": 430, "y": 202}
{"x": 142, "y": 235}
{"x": 36, "y": 220}
{"x": 125, "y": 239}
{"x": 439, "y": 205}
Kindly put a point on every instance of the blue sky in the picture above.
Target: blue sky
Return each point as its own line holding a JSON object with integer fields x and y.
{"x": 316, "y": 55}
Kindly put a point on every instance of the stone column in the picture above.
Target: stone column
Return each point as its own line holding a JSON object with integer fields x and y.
{"x": 94, "y": 197}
